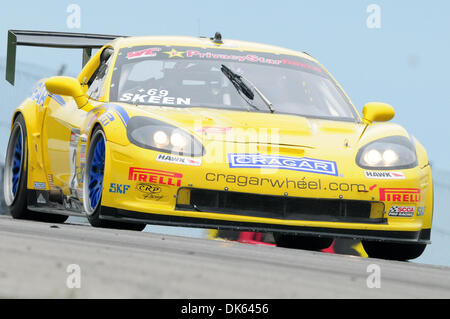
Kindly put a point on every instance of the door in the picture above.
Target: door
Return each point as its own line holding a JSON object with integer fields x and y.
{"x": 64, "y": 143}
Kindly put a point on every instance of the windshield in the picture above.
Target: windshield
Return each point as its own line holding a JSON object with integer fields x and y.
{"x": 192, "y": 77}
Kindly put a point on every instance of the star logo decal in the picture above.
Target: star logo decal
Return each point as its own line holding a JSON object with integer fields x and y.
{"x": 174, "y": 53}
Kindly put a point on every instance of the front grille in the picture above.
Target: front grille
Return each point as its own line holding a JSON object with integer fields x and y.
{"x": 280, "y": 207}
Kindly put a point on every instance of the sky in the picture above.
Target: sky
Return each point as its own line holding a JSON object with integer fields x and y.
{"x": 404, "y": 62}
{"x": 397, "y": 54}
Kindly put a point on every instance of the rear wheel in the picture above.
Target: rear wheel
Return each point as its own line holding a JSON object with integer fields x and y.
{"x": 302, "y": 242}
{"x": 93, "y": 184}
{"x": 393, "y": 251}
{"x": 15, "y": 177}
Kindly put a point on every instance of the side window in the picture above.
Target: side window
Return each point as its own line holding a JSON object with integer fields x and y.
{"x": 98, "y": 78}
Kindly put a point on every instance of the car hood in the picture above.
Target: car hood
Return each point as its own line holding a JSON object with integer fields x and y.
{"x": 266, "y": 128}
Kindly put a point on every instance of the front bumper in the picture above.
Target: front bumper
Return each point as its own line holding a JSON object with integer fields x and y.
{"x": 400, "y": 236}
{"x": 160, "y": 193}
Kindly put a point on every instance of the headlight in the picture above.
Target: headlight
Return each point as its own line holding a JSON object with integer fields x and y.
{"x": 157, "y": 135}
{"x": 394, "y": 152}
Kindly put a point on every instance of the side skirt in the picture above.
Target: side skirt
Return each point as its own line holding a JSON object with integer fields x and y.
{"x": 54, "y": 202}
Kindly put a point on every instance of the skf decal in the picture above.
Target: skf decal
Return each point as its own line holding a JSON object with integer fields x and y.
{"x": 384, "y": 175}
{"x": 118, "y": 188}
{"x": 401, "y": 211}
{"x": 155, "y": 176}
{"x": 407, "y": 195}
{"x": 179, "y": 160}
{"x": 283, "y": 162}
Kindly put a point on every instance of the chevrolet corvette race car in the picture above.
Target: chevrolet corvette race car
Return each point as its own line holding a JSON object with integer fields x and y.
{"x": 214, "y": 133}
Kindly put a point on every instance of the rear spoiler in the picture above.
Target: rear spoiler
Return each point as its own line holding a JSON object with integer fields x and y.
{"x": 66, "y": 40}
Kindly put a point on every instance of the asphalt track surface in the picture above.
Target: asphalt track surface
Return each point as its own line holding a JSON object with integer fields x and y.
{"x": 34, "y": 259}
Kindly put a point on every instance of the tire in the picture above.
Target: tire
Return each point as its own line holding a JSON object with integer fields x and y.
{"x": 93, "y": 185}
{"x": 302, "y": 242}
{"x": 393, "y": 251}
{"x": 15, "y": 177}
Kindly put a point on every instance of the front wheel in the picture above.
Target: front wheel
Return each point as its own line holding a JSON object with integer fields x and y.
{"x": 93, "y": 184}
{"x": 393, "y": 251}
{"x": 302, "y": 242}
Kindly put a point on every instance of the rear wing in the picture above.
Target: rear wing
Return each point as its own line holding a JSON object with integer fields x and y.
{"x": 65, "y": 40}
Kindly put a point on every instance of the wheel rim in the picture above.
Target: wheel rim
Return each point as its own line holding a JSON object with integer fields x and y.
{"x": 94, "y": 173}
{"x": 17, "y": 164}
{"x": 13, "y": 165}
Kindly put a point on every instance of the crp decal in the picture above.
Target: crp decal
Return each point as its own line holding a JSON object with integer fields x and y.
{"x": 148, "y": 188}
{"x": 149, "y": 191}
{"x": 409, "y": 195}
{"x": 148, "y": 175}
{"x": 283, "y": 162}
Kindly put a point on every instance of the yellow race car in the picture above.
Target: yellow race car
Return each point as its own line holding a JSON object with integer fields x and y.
{"x": 214, "y": 133}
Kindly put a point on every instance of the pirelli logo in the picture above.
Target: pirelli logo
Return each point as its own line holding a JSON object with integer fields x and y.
{"x": 148, "y": 175}
{"x": 407, "y": 195}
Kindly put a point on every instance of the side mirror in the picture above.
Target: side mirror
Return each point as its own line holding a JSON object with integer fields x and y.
{"x": 377, "y": 112}
{"x": 64, "y": 85}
